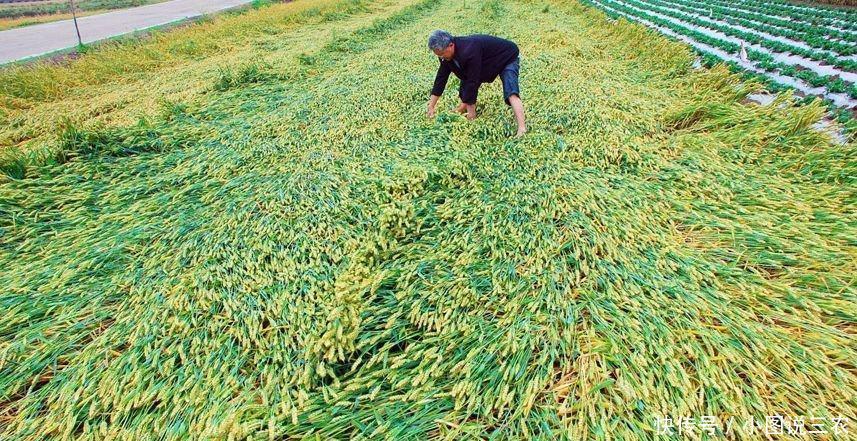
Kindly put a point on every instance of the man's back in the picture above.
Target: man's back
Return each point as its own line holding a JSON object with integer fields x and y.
{"x": 492, "y": 53}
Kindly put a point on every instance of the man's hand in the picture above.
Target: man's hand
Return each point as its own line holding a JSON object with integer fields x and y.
{"x": 431, "y": 106}
{"x": 461, "y": 108}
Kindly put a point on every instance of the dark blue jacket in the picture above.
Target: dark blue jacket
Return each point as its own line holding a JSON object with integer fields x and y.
{"x": 478, "y": 59}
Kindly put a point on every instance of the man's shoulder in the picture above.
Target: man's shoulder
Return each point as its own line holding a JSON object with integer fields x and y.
{"x": 477, "y": 39}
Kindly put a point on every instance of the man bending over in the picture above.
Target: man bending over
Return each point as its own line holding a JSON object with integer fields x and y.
{"x": 476, "y": 59}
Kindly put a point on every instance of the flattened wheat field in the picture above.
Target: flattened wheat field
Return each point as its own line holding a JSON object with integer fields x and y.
{"x": 247, "y": 228}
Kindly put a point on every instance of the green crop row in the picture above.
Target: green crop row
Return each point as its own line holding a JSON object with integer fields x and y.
{"x": 818, "y": 37}
{"x": 774, "y": 46}
{"x": 824, "y": 11}
{"x": 763, "y": 60}
{"x": 843, "y": 19}
{"x": 815, "y": 29}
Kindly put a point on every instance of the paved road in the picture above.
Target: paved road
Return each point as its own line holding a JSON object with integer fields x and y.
{"x": 28, "y": 41}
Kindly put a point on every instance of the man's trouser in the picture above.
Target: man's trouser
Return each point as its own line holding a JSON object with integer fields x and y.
{"x": 509, "y": 77}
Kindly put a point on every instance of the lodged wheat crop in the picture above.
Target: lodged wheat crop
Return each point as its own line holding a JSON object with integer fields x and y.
{"x": 293, "y": 250}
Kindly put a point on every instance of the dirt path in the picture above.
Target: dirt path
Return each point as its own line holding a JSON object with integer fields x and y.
{"x": 20, "y": 43}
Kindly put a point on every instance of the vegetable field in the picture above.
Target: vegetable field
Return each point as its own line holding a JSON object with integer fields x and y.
{"x": 810, "y": 49}
{"x": 248, "y": 229}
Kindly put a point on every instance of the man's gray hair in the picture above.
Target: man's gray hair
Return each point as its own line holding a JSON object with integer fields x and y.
{"x": 439, "y": 40}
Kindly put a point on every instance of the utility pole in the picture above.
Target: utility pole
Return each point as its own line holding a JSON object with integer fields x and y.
{"x": 74, "y": 17}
